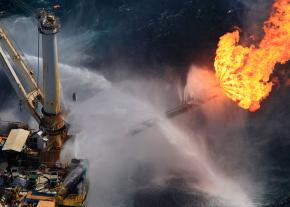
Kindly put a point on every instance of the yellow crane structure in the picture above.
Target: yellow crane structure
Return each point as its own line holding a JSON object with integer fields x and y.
{"x": 43, "y": 103}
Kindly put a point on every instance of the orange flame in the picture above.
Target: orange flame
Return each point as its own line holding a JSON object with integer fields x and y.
{"x": 244, "y": 72}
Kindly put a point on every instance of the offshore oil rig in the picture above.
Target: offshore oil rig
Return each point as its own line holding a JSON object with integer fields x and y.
{"x": 30, "y": 171}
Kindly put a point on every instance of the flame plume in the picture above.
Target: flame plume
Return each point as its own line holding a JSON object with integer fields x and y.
{"x": 244, "y": 72}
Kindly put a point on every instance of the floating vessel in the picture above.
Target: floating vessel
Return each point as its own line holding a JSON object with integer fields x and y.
{"x": 30, "y": 171}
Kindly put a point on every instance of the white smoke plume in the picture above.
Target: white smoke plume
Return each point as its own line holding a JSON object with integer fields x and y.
{"x": 103, "y": 124}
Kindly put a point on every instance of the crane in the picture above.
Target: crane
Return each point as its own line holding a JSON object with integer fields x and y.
{"x": 20, "y": 76}
{"x": 34, "y": 97}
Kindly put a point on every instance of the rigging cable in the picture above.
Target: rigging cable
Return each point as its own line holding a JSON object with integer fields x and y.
{"x": 38, "y": 59}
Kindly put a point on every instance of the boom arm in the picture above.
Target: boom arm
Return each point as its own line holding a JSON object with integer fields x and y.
{"x": 20, "y": 76}
{"x": 50, "y": 118}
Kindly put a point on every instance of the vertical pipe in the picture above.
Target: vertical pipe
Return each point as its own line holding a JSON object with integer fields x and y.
{"x": 53, "y": 122}
{"x": 51, "y": 85}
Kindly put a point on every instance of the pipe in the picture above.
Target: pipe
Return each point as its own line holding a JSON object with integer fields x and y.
{"x": 73, "y": 178}
{"x": 53, "y": 122}
{"x": 48, "y": 28}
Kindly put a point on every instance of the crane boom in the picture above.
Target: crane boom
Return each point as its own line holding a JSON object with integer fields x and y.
{"x": 18, "y": 86}
{"x": 22, "y": 70}
{"x": 20, "y": 76}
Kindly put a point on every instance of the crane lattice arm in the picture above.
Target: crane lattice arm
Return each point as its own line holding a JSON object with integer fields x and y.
{"x": 20, "y": 75}
{"x": 50, "y": 118}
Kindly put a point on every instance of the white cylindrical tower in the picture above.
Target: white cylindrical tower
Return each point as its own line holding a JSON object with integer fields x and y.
{"x": 53, "y": 122}
{"x": 51, "y": 84}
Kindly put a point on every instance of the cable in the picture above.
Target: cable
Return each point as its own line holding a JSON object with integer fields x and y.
{"x": 38, "y": 60}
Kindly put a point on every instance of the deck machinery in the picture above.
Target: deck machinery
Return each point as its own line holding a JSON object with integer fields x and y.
{"x": 30, "y": 173}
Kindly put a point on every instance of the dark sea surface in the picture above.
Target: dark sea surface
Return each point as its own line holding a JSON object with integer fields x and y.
{"x": 154, "y": 37}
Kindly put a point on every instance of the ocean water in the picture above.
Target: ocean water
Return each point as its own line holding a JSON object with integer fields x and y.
{"x": 127, "y": 61}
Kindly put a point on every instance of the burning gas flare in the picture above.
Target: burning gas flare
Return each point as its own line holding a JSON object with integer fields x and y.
{"x": 244, "y": 72}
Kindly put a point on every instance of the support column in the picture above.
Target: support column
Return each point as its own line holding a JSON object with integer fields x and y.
{"x": 53, "y": 122}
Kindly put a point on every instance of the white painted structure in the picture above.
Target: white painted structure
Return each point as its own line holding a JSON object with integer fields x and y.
{"x": 53, "y": 122}
{"x": 16, "y": 140}
{"x": 48, "y": 28}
